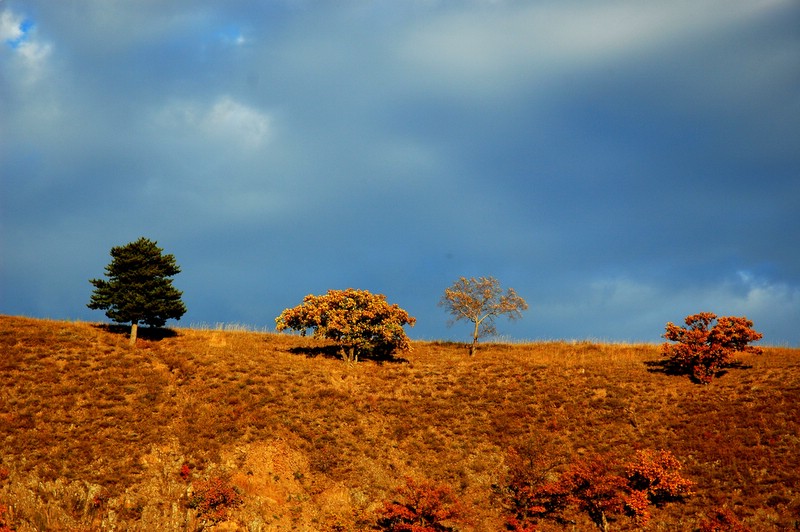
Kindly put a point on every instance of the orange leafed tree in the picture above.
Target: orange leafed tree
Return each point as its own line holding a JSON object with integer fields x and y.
{"x": 658, "y": 475}
{"x": 598, "y": 485}
{"x": 358, "y": 321}
{"x": 701, "y": 351}
{"x": 480, "y": 301}
{"x": 420, "y": 506}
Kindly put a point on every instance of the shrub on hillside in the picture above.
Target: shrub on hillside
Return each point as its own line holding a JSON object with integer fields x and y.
{"x": 532, "y": 491}
{"x": 5, "y": 520}
{"x": 702, "y": 352}
{"x": 722, "y": 520}
{"x": 358, "y": 321}
{"x": 419, "y": 506}
{"x": 598, "y": 485}
{"x": 594, "y": 487}
{"x": 657, "y": 474}
{"x": 213, "y": 498}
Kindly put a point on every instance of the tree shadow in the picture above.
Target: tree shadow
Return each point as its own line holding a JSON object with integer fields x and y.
{"x": 668, "y": 367}
{"x": 153, "y": 334}
{"x": 324, "y": 351}
{"x": 334, "y": 352}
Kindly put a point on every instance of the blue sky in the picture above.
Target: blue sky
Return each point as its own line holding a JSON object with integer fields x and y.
{"x": 620, "y": 164}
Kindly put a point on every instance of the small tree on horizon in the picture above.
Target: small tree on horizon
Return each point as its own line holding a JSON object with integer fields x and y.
{"x": 480, "y": 301}
{"x": 358, "y": 321}
{"x": 139, "y": 288}
{"x": 702, "y": 351}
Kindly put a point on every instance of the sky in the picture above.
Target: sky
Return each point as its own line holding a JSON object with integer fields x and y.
{"x": 620, "y": 164}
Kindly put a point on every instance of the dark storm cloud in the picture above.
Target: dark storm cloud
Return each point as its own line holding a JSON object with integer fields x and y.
{"x": 621, "y": 165}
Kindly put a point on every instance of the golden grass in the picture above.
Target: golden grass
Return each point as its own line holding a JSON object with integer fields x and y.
{"x": 95, "y": 432}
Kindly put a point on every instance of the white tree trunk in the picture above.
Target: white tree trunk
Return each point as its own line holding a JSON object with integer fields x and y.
{"x": 134, "y": 330}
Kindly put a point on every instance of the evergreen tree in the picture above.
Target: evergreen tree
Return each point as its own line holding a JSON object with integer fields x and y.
{"x": 139, "y": 288}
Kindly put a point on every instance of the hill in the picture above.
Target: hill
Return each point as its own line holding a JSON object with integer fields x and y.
{"x": 101, "y": 436}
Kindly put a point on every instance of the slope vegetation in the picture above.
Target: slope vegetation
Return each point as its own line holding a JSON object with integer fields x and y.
{"x": 101, "y": 436}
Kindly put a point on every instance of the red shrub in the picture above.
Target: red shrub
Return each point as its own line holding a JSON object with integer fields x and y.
{"x": 701, "y": 351}
{"x": 185, "y": 472}
{"x": 5, "y": 521}
{"x": 530, "y": 493}
{"x": 421, "y": 506}
{"x": 597, "y": 485}
{"x": 657, "y": 474}
{"x": 722, "y": 520}
{"x": 99, "y": 500}
{"x": 515, "y": 525}
{"x": 637, "y": 505}
{"x": 595, "y": 488}
{"x": 213, "y": 498}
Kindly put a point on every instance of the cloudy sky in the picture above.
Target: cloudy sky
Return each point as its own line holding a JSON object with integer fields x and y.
{"x": 621, "y": 164}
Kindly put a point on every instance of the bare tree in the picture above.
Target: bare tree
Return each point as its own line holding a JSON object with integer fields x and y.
{"x": 480, "y": 301}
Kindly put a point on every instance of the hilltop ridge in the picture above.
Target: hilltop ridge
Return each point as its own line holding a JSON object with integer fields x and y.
{"x": 98, "y": 434}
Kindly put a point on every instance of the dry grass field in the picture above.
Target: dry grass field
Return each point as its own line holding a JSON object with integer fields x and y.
{"x": 97, "y": 435}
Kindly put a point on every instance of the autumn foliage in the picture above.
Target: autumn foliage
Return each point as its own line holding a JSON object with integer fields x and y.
{"x": 598, "y": 485}
{"x": 96, "y": 432}
{"x": 214, "y": 498}
{"x": 419, "y": 506}
{"x": 722, "y": 520}
{"x": 533, "y": 491}
{"x": 358, "y": 321}
{"x": 658, "y": 475}
{"x": 703, "y": 352}
{"x": 5, "y": 525}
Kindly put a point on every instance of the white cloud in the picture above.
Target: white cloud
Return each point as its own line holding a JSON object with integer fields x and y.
{"x": 762, "y": 295}
{"x": 10, "y": 27}
{"x": 34, "y": 54}
{"x": 225, "y": 120}
{"x": 493, "y": 46}
{"x": 231, "y": 119}
{"x": 639, "y": 309}
{"x": 29, "y": 53}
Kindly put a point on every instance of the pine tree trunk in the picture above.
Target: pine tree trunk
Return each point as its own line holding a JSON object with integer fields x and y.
{"x": 134, "y": 330}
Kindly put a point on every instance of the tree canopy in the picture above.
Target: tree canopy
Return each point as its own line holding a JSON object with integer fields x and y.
{"x": 358, "y": 321}
{"x": 702, "y": 351}
{"x": 139, "y": 286}
{"x": 480, "y": 301}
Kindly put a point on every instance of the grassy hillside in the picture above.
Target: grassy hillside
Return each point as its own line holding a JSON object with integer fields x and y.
{"x": 101, "y": 436}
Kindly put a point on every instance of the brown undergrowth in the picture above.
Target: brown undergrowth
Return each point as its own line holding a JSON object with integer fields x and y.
{"x": 101, "y": 436}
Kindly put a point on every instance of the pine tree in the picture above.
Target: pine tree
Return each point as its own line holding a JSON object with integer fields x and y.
{"x": 139, "y": 288}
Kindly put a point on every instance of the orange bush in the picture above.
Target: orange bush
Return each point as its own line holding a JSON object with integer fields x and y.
{"x": 597, "y": 485}
{"x": 5, "y": 523}
{"x": 701, "y": 351}
{"x": 213, "y": 498}
{"x": 421, "y": 506}
{"x": 595, "y": 488}
{"x": 358, "y": 321}
{"x": 722, "y": 520}
{"x": 530, "y": 493}
{"x": 657, "y": 474}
